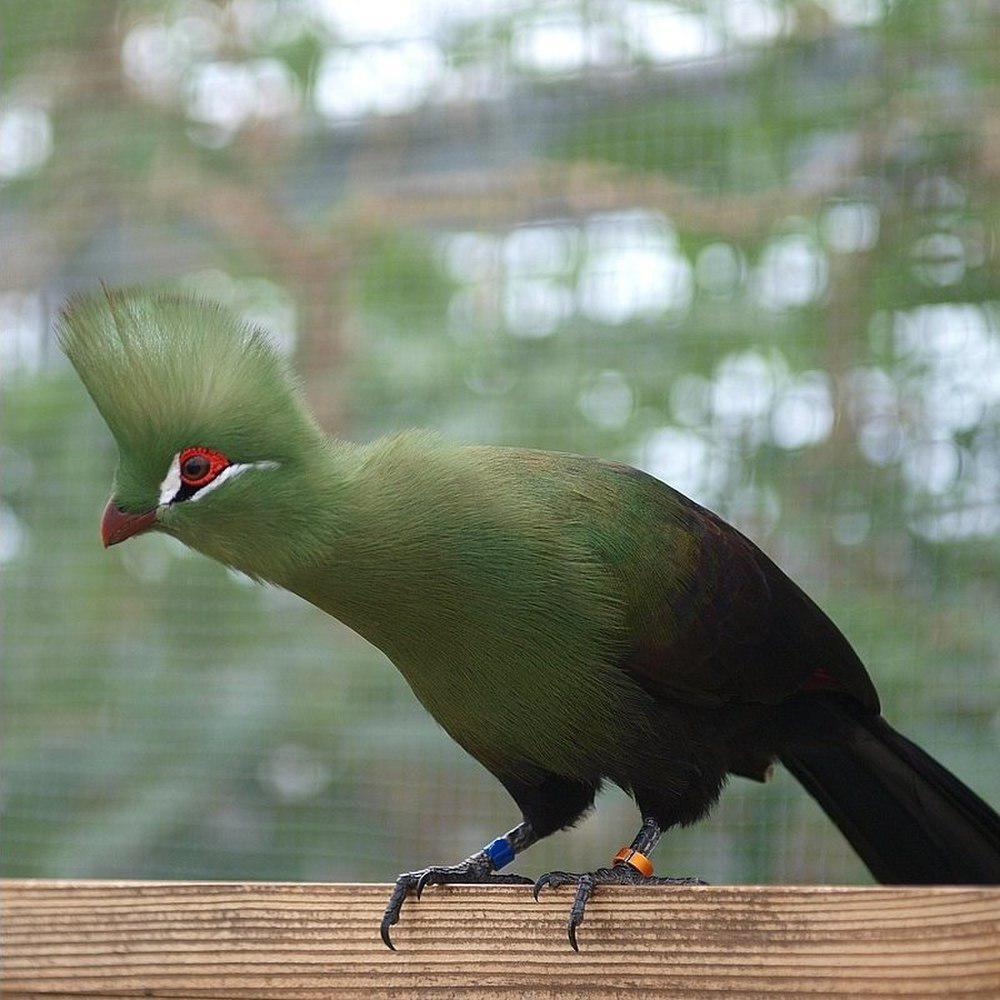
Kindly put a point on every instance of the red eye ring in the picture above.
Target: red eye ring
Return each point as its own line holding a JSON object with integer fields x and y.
{"x": 199, "y": 466}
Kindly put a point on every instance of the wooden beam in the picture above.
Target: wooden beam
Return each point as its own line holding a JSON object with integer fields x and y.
{"x": 282, "y": 940}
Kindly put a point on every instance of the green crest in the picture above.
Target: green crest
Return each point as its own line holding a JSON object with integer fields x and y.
{"x": 169, "y": 372}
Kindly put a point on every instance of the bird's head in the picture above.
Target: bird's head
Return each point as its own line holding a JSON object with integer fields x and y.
{"x": 214, "y": 443}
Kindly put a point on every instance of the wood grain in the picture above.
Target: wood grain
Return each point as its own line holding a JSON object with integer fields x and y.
{"x": 202, "y": 939}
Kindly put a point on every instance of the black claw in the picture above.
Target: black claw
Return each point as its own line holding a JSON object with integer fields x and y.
{"x": 385, "y": 936}
{"x": 572, "y": 936}
{"x": 418, "y": 889}
{"x": 540, "y": 884}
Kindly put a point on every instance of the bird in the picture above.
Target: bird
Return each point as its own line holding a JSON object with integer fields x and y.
{"x": 570, "y": 622}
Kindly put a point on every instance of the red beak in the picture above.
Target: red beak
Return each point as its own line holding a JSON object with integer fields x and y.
{"x": 117, "y": 524}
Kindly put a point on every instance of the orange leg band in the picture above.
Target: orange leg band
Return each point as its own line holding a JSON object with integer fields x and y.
{"x": 627, "y": 856}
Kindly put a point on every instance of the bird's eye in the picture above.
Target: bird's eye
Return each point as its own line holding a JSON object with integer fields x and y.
{"x": 196, "y": 467}
{"x": 199, "y": 466}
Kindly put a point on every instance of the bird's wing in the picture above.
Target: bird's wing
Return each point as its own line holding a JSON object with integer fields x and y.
{"x": 713, "y": 620}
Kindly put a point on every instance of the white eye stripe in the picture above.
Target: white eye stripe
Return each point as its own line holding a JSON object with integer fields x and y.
{"x": 230, "y": 472}
{"x": 172, "y": 483}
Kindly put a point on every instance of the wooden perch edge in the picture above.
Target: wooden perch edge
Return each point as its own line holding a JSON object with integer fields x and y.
{"x": 289, "y": 940}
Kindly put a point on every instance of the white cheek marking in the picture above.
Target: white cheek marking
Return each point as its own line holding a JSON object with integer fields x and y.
{"x": 230, "y": 472}
{"x": 171, "y": 481}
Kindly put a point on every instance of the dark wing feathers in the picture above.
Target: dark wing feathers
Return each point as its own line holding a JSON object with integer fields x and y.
{"x": 737, "y": 630}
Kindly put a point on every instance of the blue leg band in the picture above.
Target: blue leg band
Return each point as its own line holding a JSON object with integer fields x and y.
{"x": 500, "y": 852}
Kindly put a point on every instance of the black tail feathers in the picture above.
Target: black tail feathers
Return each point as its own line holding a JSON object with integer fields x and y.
{"x": 910, "y": 820}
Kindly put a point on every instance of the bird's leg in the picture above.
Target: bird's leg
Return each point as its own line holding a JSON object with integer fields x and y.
{"x": 630, "y": 866}
{"x": 480, "y": 868}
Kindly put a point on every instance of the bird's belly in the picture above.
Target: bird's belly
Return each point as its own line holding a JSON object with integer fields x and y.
{"x": 525, "y": 721}
{"x": 519, "y": 695}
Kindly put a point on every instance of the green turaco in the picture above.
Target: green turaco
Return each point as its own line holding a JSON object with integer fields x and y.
{"x": 568, "y": 621}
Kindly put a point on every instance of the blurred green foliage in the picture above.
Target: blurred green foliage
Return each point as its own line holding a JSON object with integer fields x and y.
{"x": 747, "y": 245}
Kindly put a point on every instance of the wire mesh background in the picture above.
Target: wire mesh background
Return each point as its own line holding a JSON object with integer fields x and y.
{"x": 750, "y": 246}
